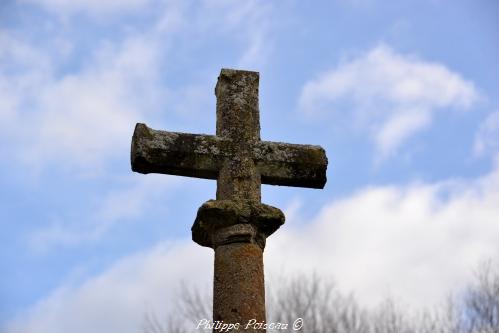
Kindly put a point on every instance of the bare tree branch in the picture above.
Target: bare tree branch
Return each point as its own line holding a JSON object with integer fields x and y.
{"x": 325, "y": 310}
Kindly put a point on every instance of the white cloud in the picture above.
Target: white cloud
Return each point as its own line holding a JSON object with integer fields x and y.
{"x": 416, "y": 243}
{"x": 79, "y": 120}
{"x": 82, "y": 118}
{"x": 117, "y": 300}
{"x": 8, "y": 104}
{"x": 92, "y": 114}
{"x": 398, "y": 128}
{"x": 255, "y": 17}
{"x": 393, "y": 96}
{"x": 93, "y": 7}
{"x": 248, "y": 24}
{"x": 23, "y": 68}
{"x": 487, "y": 136}
{"x": 115, "y": 207}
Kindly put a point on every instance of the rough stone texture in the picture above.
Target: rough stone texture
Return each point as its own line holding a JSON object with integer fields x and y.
{"x": 238, "y": 119}
{"x": 202, "y": 156}
{"x": 221, "y": 222}
{"x": 239, "y": 288}
{"x": 193, "y": 155}
{"x": 237, "y": 224}
{"x": 291, "y": 164}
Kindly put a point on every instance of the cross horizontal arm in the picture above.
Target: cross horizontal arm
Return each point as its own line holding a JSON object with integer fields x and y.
{"x": 291, "y": 164}
{"x": 201, "y": 156}
{"x": 174, "y": 153}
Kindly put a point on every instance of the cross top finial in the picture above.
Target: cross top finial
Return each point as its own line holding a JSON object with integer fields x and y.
{"x": 238, "y": 115}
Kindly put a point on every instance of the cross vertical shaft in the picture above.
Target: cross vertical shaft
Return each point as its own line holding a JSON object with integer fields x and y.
{"x": 239, "y": 288}
{"x": 238, "y": 119}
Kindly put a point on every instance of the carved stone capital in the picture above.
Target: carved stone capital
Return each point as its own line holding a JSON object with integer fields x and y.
{"x": 220, "y": 222}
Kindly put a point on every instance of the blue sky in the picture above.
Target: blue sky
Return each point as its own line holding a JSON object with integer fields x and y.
{"x": 401, "y": 94}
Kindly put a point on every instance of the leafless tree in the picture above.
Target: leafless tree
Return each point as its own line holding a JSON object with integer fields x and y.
{"x": 324, "y": 309}
{"x": 321, "y": 306}
{"x": 480, "y": 307}
{"x": 191, "y": 305}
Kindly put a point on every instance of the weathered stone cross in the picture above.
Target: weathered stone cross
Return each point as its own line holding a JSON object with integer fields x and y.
{"x": 236, "y": 224}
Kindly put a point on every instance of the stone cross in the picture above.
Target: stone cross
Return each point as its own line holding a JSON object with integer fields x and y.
{"x": 236, "y": 224}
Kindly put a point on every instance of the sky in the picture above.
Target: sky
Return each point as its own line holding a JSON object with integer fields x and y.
{"x": 401, "y": 94}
